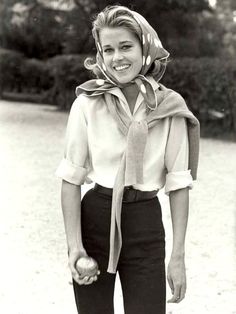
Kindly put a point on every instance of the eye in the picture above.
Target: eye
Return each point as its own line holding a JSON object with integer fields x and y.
{"x": 107, "y": 50}
{"x": 126, "y": 47}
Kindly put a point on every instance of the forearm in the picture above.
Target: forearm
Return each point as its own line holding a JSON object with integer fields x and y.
{"x": 71, "y": 207}
{"x": 179, "y": 206}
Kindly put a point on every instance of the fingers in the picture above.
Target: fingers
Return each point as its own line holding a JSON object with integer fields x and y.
{"x": 178, "y": 292}
{"x": 81, "y": 279}
{"x": 176, "y": 295}
{"x": 182, "y": 292}
{"x": 176, "y": 277}
{"x": 75, "y": 274}
{"x": 86, "y": 280}
{"x": 171, "y": 284}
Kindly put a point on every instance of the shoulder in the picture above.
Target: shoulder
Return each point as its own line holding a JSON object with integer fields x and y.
{"x": 171, "y": 94}
{"x": 84, "y": 103}
{"x": 177, "y": 108}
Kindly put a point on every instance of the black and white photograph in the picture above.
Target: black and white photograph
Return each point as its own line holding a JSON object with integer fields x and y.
{"x": 118, "y": 157}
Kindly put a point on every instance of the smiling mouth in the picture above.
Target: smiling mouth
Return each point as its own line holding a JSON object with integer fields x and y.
{"x": 121, "y": 68}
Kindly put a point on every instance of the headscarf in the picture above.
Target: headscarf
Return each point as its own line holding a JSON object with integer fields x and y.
{"x": 153, "y": 54}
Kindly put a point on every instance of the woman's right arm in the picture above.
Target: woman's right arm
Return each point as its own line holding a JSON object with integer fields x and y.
{"x": 71, "y": 207}
{"x": 73, "y": 170}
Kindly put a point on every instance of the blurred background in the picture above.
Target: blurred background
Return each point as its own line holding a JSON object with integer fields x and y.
{"x": 43, "y": 45}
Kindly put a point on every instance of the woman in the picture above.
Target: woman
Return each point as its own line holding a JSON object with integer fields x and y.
{"x": 131, "y": 136}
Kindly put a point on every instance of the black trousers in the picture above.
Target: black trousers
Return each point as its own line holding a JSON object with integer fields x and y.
{"x": 141, "y": 265}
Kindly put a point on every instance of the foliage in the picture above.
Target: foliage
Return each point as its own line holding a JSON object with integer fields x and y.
{"x": 189, "y": 35}
{"x": 226, "y": 15}
{"x": 50, "y": 81}
{"x": 77, "y": 32}
{"x": 32, "y": 29}
{"x": 186, "y": 27}
{"x": 10, "y": 65}
{"x": 207, "y": 85}
{"x": 144, "y": 6}
{"x": 22, "y": 75}
{"x": 68, "y": 72}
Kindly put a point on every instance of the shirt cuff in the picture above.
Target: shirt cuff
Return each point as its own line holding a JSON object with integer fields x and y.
{"x": 178, "y": 180}
{"x": 71, "y": 173}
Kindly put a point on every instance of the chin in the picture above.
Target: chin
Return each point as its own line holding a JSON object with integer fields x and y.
{"x": 124, "y": 80}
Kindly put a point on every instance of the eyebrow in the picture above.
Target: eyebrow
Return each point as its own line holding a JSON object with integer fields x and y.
{"x": 121, "y": 43}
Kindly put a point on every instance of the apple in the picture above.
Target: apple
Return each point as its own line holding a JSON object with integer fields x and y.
{"x": 86, "y": 266}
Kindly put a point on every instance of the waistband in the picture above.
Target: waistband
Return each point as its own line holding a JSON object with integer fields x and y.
{"x": 130, "y": 194}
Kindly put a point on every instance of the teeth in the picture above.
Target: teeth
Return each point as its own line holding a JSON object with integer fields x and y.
{"x": 122, "y": 67}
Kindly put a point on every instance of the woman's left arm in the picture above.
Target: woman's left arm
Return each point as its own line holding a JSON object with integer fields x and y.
{"x": 176, "y": 272}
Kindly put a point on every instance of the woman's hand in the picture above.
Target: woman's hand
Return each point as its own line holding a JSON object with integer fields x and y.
{"x": 176, "y": 276}
{"x": 74, "y": 255}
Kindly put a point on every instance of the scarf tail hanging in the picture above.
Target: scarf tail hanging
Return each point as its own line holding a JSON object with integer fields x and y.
{"x": 115, "y": 227}
{"x": 136, "y": 143}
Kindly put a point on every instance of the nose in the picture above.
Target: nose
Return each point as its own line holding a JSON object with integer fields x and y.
{"x": 117, "y": 56}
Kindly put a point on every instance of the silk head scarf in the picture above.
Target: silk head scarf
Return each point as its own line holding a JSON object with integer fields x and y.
{"x": 153, "y": 53}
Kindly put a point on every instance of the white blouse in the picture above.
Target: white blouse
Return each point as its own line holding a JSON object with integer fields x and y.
{"x": 94, "y": 146}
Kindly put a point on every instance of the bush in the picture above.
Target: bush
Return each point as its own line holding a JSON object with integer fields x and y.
{"x": 32, "y": 29}
{"x": 52, "y": 81}
{"x": 37, "y": 76}
{"x": 68, "y": 72}
{"x": 10, "y": 66}
{"x": 25, "y": 76}
{"x": 208, "y": 86}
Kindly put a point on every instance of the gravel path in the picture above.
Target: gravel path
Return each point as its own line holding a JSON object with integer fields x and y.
{"x": 33, "y": 272}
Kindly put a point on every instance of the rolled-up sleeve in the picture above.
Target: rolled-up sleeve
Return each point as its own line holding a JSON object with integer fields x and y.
{"x": 74, "y": 166}
{"x": 177, "y": 157}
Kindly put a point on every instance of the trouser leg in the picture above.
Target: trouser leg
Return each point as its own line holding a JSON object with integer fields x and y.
{"x": 96, "y": 298}
{"x": 141, "y": 265}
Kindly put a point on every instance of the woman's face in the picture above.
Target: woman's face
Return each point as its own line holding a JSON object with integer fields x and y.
{"x": 122, "y": 53}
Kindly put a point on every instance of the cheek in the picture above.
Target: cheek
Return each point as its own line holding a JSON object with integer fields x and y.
{"x": 107, "y": 61}
{"x": 139, "y": 58}
{"x": 139, "y": 63}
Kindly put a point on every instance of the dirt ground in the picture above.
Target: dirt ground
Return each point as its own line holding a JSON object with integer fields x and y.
{"x": 34, "y": 277}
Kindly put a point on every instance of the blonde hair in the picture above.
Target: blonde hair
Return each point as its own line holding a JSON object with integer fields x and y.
{"x": 111, "y": 16}
{"x": 120, "y": 16}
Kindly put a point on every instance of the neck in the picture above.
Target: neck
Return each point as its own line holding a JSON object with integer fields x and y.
{"x": 131, "y": 92}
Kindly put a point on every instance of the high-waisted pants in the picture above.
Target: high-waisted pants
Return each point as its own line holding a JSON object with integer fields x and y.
{"x": 141, "y": 264}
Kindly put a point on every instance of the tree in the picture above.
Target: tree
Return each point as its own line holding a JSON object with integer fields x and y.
{"x": 226, "y": 14}
{"x": 186, "y": 27}
{"x": 31, "y": 28}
